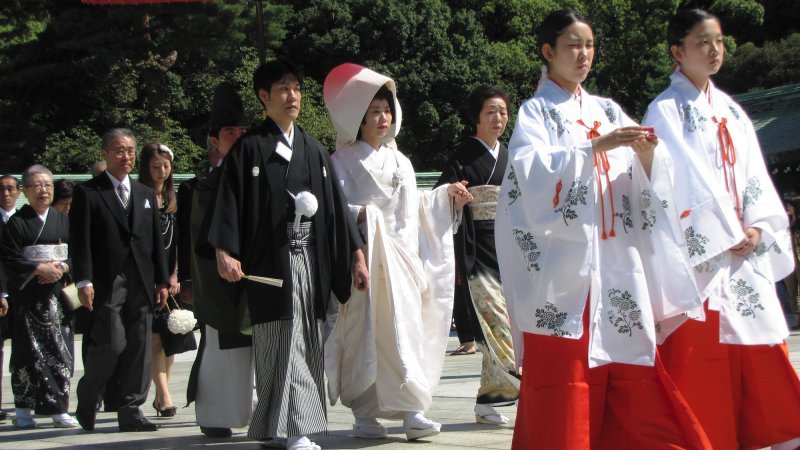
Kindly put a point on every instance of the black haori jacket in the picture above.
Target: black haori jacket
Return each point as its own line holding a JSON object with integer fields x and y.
{"x": 250, "y": 211}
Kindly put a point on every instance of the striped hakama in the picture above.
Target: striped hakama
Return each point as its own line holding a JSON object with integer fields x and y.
{"x": 289, "y": 356}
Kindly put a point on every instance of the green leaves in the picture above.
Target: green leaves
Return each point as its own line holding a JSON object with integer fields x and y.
{"x": 68, "y": 71}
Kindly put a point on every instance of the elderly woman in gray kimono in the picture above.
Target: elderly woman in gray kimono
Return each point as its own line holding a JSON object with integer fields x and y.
{"x": 385, "y": 353}
{"x": 35, "y": 253}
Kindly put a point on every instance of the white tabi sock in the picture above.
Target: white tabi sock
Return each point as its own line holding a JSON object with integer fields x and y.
{"x": 298, "y": 441}
{"x": 415, "y": 419}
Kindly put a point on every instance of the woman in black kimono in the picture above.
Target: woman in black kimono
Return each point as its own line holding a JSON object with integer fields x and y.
{"x": 481, "y": 160}
{"x": 35, "y": 253}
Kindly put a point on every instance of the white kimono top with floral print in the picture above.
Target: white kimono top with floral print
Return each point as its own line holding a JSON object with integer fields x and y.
{"x": 715, "y": 192}
{"x": 569, "y": 226}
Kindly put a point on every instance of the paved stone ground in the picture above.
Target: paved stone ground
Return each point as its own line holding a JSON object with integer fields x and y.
{"x": 453, "y": 402}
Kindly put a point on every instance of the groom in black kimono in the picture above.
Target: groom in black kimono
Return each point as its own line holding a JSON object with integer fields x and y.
{"x": 254, "y": 205}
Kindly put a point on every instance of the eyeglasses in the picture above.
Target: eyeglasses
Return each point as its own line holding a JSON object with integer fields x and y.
{"x": 41, "y": 186}
{"x": 119, "y": 151}
{"x": 7, "y": 188}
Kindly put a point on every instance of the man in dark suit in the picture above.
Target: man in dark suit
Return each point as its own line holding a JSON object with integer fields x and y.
{"x": 115, "y": 241}
{"x": 9, "y": 193}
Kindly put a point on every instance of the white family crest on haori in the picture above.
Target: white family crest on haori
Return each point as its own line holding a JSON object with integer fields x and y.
{"x": 256, "y": 171}
{"x": 146, "y": 204}
{"x": 305, "y": 204}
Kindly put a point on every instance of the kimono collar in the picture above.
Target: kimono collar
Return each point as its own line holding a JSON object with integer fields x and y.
{"x": 493, "y": 151}
{"x": 686, "y": 87}
{"x": 289, "y": 136}
{"x": 270, "y": 127}
{"x": 367, "y": 150}
{"x": 43, "y": 216}
{"x": 557, "y": 94}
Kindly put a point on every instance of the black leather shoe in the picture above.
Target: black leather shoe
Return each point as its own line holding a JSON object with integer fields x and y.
{"x": 3, "y": 416}
{"x": 139, "y": 425}
{"x": 216, "y": 432}
{"x": 86, "y": 420}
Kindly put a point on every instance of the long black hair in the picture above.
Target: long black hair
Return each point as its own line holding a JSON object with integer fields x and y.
{"x": 150, "y": 151}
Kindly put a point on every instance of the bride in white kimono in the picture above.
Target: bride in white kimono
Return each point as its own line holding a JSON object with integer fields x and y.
{"x": 731, "y": 230}
{"x": 385, "y": 353}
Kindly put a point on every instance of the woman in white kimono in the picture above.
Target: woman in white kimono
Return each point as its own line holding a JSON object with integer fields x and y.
{"x": 571, "y": 213}
{"x": 730, "y": 227}
{"x": 385, "y": 353}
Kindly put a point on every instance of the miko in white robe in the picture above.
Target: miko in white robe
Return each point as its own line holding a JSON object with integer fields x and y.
{"x": 569, "y": 226}
{"x": 733, "y": 368}
{"x": 385, "y": 353}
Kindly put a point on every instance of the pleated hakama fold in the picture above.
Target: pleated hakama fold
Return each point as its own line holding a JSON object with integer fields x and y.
{"x": 289, "y": 356}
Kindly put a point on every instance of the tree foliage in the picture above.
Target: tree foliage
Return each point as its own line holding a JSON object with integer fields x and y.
{"x": 149, "y": 68}
{"x": 70, "y": 71}
{"x": 754, "y": 68}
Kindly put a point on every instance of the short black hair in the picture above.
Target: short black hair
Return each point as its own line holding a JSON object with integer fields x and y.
{"x": 478, "y": 97}
{"x": 62, "y": 189}
{"x": 11, "y": 177}
{"x": 272, "y": 72}
{"x": 682, "y": 23}
{"x": 553, "y": 25}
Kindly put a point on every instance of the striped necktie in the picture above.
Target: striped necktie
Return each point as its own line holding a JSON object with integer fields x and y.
{"x": 123, "y": 195}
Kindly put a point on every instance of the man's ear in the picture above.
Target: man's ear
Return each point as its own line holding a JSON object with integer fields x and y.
{"x": 263, "y": 95}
